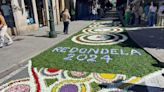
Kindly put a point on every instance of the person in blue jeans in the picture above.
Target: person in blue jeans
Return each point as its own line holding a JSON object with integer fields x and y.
{"x": 146, "y": 11}
{"x": 152, "y": 14}
{"x": 152, "y": 17}
{"x": 66, "y": 18}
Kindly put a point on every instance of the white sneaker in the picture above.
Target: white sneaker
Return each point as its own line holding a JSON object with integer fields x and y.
{"x": 10, "y": 42}
{"x": 1, "y": 45}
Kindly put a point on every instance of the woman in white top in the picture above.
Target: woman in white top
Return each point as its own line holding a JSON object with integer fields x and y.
{"x": 66, "y": 19}
{"x": 152, "y": 14}
{"x": 94, "y": 12}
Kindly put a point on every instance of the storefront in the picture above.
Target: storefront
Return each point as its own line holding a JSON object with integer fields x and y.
{"x": 71, "y": 6}
{"x": 25, "y": 15}
{"x": 29, "y": 15}
{"x": 83, "y": 9}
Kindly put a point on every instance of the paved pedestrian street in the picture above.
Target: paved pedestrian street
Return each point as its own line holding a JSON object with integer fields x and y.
{"x": 99, "y": 58}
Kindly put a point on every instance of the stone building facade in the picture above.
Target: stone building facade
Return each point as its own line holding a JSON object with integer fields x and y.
{"x": 27, "y": 15}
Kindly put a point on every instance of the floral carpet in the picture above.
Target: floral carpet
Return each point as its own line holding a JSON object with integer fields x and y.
{"x": 53, "y": 80}
{"x": 69, "y": 81}
{"x": 101, "y": 37}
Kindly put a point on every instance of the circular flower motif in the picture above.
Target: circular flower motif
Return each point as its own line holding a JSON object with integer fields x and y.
{"x": 72, "y": 85}
{"x": 19, "y": 88}
{"x": 103, "y": 30}
{"x": 49, "y": 72}
{"x": 101, "y": 39}
{"x": 111, "y": 90}
{"x": 22, "y": 85}
{"x": 109, "y": 78}
{"x": 101, "y": 24}
{"x": 69, "y": 88}
{"x": 52, "y": 70}
{"x": 78, "y": 74}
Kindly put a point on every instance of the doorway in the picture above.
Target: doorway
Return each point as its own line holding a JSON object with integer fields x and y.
{"x": 42, "y": 13}
{"x": 29, "y": 12}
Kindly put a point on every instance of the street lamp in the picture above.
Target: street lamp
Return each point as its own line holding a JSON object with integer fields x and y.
{"x": 52, "y": 33}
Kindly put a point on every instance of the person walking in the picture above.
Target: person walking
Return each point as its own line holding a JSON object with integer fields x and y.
{"x": 94, "y": 12}
{"x": 7, "y": 12}
{"x": 152, "y": 14}
{"x": 140, "y": 12}
{"x": 146, "y": 11}
{"x": 3, "y": 32}
{"x": 136, "y": 13}
{"x": 161, "y": 14}
{"x": 66, "y": 19}
{"x": 127, "y": 15}
{"x": 73, "y": 14}
{"x": 132, "y": 19}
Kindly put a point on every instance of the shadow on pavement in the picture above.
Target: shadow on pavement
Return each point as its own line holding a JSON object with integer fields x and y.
{"x": 144, "y": 38}
{"x": 142, "y": 88}
{"x": 135, "y": 88}
{"x": 150, "y": 37}
{"x": 158, "y": 65}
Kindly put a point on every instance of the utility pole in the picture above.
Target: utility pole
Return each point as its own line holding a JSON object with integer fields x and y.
{"x": 52, "y": 33}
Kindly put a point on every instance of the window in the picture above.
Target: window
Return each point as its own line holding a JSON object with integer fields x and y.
{"x": 29, "y": 12}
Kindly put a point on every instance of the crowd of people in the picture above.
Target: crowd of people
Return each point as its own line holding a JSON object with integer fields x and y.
{"x": 97, "y": 9}
{"x": 94, "y": 10}
{"x": 150, "y": 14}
